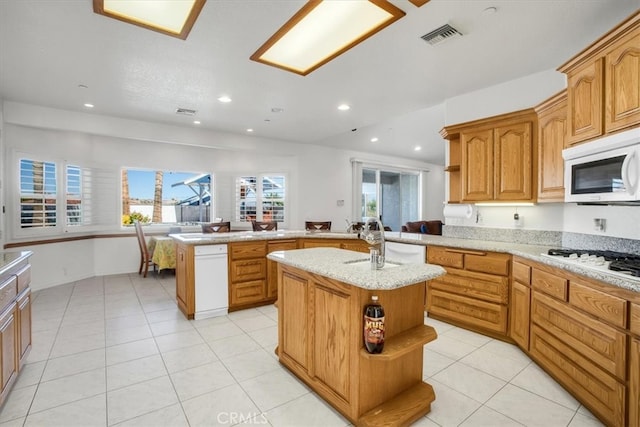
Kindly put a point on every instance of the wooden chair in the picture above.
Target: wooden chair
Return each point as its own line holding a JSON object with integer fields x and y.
{"x": 264, "y": 225}
{"x": 317, "y": 225}
{"x": 217, "y": 227}
{"x": 145, "y": 256}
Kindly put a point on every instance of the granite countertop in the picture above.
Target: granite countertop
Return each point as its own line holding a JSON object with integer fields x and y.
{"x": 354, "y": 268}
{"x": 9, "y": 259}
{"x": 531, "y": 252}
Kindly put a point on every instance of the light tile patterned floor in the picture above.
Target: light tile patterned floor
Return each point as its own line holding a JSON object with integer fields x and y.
{"x": 115, "y": 350}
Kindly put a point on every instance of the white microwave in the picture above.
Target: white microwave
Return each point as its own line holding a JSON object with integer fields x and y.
{"x": 606, "y": 170}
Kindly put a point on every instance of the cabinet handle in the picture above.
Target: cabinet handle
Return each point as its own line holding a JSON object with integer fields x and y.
{"x": 463, "y": 251}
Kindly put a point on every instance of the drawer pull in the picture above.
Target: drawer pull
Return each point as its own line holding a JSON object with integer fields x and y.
{"x": 464, "y": 251}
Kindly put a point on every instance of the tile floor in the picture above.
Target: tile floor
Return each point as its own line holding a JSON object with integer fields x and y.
{"x": 114, "y": 350}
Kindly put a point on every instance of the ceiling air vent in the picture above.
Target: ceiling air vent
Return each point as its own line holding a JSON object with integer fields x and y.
{"x": 441, "y": 34}
{"x": 185, "y": 111}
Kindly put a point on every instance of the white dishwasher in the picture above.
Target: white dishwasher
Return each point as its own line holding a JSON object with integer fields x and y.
{"x": 405, "y": 253}
{"x": 211, "y": 281}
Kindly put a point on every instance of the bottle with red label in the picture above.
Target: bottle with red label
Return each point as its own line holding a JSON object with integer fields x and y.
{"x": 374, "y": 326}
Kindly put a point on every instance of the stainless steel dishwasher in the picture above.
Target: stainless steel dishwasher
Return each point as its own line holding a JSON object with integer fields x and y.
{"x": 211, "y": 281}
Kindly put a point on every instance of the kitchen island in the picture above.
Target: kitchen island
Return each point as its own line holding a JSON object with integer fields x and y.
{"x": 322, "y": 293}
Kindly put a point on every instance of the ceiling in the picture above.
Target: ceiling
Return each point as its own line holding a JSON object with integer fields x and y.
{"x": 49, "y": 48}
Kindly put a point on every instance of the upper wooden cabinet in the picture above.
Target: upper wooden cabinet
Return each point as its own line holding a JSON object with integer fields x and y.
{"x": 603, "y": 84}
{"x": 552, "y": 131}
{"x": 497, "y": 158}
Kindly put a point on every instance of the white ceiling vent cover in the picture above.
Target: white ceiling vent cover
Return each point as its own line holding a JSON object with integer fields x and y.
{"x": 186, "y": 111}
{"x": 441, "y": 34}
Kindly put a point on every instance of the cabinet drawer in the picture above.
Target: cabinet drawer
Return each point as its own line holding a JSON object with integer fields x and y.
{"x": 282, "y": 245}
{"x": 607, "y": 307}
{"x": 252, "y": 269}
{"x": 634, "y": 319}
{"x": 488, "y": 262}
{"x": 24, "y": 278}
{"x": 441, "y": 256}
{"x": 521, "y": 273}
{"x": 549, "y": 284}
{"x": 602, "y": 344}
{"x": 320, "y": 243}
{"x": 475, "y": 285}
{"x": 8, "y": 291}
{"x": 247, "y": 292}
{"x": 248, "y": 250}
{"x": 467, "y": 310}
{"x": 602, "y": 393}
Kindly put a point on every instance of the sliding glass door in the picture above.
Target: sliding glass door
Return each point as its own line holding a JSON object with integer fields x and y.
{"x": 392, "y": 196}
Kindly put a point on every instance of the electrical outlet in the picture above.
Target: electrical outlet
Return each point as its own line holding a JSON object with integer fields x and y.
{"x": 340, "y": 203}
{"x": 599, "y": 224}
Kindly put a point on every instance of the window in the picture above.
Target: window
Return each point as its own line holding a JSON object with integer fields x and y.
{"x": 165, "y": 196}
{"x": 38, "y": 194}
{"x": 74, "y": 195}
{"x": 264, "y": 191}
{"x": 43, "y": 206}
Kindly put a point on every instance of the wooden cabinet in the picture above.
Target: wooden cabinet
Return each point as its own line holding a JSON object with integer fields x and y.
{"x": 520, "y": 304}
{"x": 8, "y": 347}
{"x": 185, "y": 279}
{"x": 272, "y": 266}
{"x": 475, "y": 290}
{"x": 552, "y": 131}
{"x": 320, "y": 340}
{"x": 603, "y": 85}
{"x": 497, "y": 158}
{"x": 633, "y": 400}
{"x": 247, "y": 274}
{"x": 15, "y": 318}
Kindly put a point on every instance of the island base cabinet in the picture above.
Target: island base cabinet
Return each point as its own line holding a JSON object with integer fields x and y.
{"x": 24, "y": 326}
{"x": 320, "y": 340}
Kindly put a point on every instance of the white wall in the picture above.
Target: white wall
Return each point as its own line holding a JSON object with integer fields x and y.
{"x": 318, "y": 176}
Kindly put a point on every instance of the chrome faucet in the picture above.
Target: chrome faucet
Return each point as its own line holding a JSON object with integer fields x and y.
{"x": 373, "y": 233}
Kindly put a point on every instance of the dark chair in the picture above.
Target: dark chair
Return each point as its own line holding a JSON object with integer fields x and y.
{"x": 145, "y": 255}
{"x": 317, "y": 225}
{"x": 264, "y": 225}
{"x": 217, "y": 227}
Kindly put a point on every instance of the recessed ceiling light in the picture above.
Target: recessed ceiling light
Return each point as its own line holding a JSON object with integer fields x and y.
{"x": 224, "y": 99}
{"x": 490, "y": 10}
{"x": 277, "y": 110}
{"x": 196, "y": 122}
{"x": 81, "y": 86}
{"x": 344, "y": 107}
{"x": 249, "y": 130}
{"x": 417, "y": 148}
{"x": 374, "y": 139}
{"x": 89, "y": 105}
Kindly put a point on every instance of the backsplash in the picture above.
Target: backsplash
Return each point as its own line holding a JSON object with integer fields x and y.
{"x": 544, "y": 238}
{"x": 510, "y": 235}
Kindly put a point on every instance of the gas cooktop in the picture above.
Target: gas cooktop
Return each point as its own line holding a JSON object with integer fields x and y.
{"x": 616, "y": 263}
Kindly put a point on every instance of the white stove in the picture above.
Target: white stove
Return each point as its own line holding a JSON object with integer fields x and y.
{"x": 624, "y": 266}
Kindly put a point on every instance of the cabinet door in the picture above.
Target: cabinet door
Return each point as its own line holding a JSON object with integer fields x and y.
{"x": 634, "y": 383}
{"x": 332, "y": 340}
{"x": 8, "y": 353}
{"x": 622, "y": 84}
{"x": 24, "y": 326}
{"x": 293, "y": 315}
{"x": 248, "y": 269}
{"x": 477, "y": 165}
{"x": 552, "y": 130}
{"x": 247, "y": 292}
{"x": 513, "y": 162}
{"x": 585, "y": 102}
{"x": 182, "y": 281}
{"x": 519, "y": 317}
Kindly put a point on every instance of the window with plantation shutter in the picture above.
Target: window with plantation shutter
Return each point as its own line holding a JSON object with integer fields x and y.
{"x": 38, "y": 194}
{"x": 261, "y": 198}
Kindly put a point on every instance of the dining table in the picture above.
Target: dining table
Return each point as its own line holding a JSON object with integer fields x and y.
{"x": 164, "y": 252}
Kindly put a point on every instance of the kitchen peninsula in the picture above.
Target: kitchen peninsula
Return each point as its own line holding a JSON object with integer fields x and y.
{"x": 322, "y": 293}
